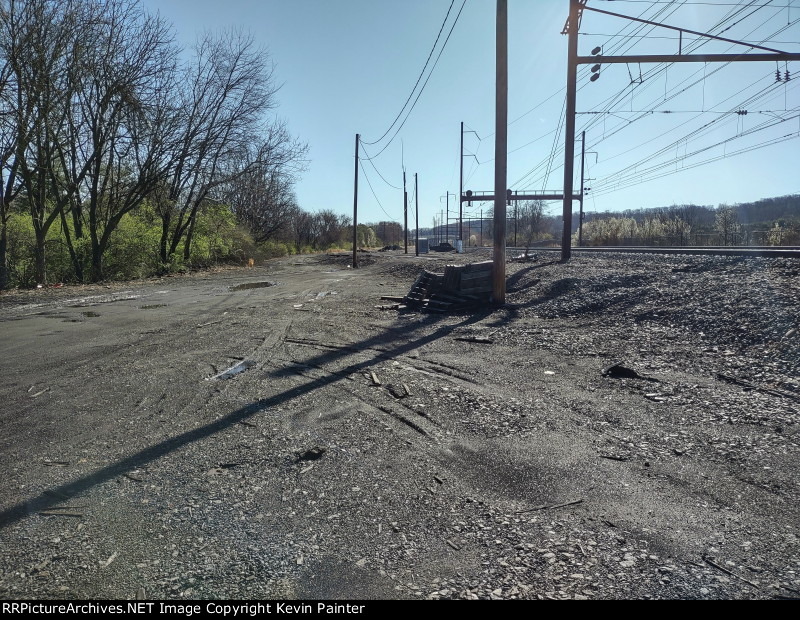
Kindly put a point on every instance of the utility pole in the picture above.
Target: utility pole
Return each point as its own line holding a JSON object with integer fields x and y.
{"x": 441, "y": 221}
{"x": 416, "y": 209}
{"x": 447, "y": 228}
{"x": 405, "y": 209}
{"x": 580, "y": 218}
{"x": 500, "y": 154}
{"x": 516, "y": 217}
{"x": 576, "y": 8}
{"x": 355, "y": 210}
{"x": 569, "y": 140}
{"x": 461, "y": 185}
{"x": 481, "y": 227}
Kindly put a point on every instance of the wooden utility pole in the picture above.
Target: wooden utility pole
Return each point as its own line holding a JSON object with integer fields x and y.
{"x": 416, "y": 210}
{"x": 580, "y": 215}
{"x": 405, "y": 209}
{"x": 461, "y": 184}
{"x": 355, "y": 210}
{"x": 569, "y": 139}
{"x": 500, "y": 154}
{"x": 447, "y": 227}
{"x": 516, "y": 218}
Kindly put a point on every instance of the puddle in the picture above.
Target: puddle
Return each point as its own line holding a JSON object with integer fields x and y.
{"x": 249, "y": 285}
{"x": 90, "y": 314}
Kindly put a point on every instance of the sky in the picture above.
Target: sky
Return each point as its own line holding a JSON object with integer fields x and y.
{"x": 656, "y": 135}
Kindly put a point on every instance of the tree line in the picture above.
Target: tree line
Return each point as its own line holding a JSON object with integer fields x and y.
{"x": 770, "y": 221}
{"x": 113, "y": 136}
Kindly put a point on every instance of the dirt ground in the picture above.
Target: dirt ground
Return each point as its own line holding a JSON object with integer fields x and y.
{"x": 352, "y": 451}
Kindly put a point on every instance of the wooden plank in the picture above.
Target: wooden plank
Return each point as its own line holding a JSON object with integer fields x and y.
{"x": 481, "y": 266}
{"x": 475, "y": 275}
{"x": 475, "y": 282}
{"x": 477, "y": 290}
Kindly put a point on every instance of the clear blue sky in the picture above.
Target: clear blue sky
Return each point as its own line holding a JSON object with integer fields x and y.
{"x": 347, "y": 67}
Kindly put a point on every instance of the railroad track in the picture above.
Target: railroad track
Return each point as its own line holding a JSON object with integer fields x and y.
{"x": 747, "y": 251}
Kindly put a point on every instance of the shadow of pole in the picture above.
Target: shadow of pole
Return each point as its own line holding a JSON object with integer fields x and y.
{"x": 52, "y": 497}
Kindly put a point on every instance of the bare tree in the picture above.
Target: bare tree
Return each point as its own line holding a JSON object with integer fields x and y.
{"x": 42, "y": 50}
{"x": 120, "y": 114}
{"x": 224, "y": 132}
{"x": 530, "y": 215}
{"x": 263, "y": 201}
{"x": 726, "y": 223}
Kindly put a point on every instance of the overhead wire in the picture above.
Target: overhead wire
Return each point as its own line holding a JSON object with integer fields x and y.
{"x": 425, "y": 66}
{"x": 373, "y": 191}
{"x": 422, "y": 89}
{"x": 731, "y": 15}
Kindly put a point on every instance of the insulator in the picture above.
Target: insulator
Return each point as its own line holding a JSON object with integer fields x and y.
{"x": 596, "y": 51}
{"x": 594, "y": 77}
{"x": 595, "y": 68}
{"x": 787, "y": 76}
{"x": 777, "y": 75}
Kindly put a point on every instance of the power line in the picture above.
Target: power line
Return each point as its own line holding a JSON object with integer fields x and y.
{"x": 411, "y": 94}
{"x": 369, "y": 159}
{"x": 421, "y": 90}
{"x": 372, "y": 190}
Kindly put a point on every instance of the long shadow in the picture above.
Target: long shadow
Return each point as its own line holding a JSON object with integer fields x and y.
{"x": 52, "y": 497}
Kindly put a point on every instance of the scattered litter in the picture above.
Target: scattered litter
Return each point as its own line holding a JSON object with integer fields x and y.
{"x": 59, "y": 513}
{"x": 106, "y": 563}
{"x": 233, "y": 370}
{"x": 375, "y": 380}
{"x": 210, "y": 323}
{"x": 453, "y": 545}
{"x": 297, "y": 306}
{"x": 618, "y": 371}
{"x": 56, "y": 463}
{"x": 613, "y": 457}
{"x": 47, "y": 389}
{"x": 152, "y": 306}
{"x": 311, "y": 455}
{"x": 749, "y": 386}
{"x": 553, "y": 507}
{"x": 549, "y": 372}
{"x": 727, "y": 572}
{"x": 90, "y": 314}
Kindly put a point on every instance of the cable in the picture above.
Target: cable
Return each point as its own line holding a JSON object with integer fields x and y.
{"x": 430, "y": 73}
{"x": 373, "y": 191}
{"x": 411, "y": 94}
{"x": 369, "y": 159}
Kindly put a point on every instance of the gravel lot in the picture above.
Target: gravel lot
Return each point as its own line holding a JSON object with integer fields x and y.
{"x": 352, "y": 451}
